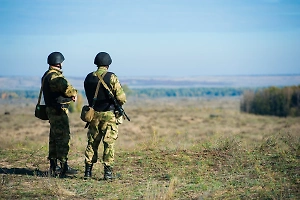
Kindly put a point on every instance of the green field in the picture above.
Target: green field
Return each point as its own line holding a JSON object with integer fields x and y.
{"x": 173, "y": 148}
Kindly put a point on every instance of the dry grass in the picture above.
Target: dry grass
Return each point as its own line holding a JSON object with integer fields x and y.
{"x": 172, "y": 149}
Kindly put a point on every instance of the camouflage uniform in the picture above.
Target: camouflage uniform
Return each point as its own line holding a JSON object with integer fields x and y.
{"x": 59, "y": 137}
{"x": 104, "y": 126}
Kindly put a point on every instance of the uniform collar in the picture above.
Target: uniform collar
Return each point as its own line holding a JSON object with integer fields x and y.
{"x": 102, "y": 68}
{"x": 55, "y": 69}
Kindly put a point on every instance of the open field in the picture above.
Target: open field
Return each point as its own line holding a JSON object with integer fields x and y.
{"x": 184, "y": 148}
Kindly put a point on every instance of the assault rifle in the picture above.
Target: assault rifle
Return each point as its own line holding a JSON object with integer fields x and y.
{"x": 112, "y": 97}
{"x": 118, "y": 106}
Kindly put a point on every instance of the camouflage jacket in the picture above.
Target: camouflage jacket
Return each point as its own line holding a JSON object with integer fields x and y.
{"x": 56, "y": 88}
{"x": 103, "y": 102}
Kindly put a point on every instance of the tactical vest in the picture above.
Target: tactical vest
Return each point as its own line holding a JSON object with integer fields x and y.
{"x": 103, "y": 102}
{"x": 53, "y": 99}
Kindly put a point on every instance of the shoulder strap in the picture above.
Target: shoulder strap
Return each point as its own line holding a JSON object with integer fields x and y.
{"x": 104, "y": 84}
{"x": 41, "y": 90}
{"x": 97, "y": 88}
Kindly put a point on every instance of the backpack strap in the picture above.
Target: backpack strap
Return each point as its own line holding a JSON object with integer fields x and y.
{"x": 104, "y": 84}
{"x": 97, "y": 88}
{"x": 41, "y": 90}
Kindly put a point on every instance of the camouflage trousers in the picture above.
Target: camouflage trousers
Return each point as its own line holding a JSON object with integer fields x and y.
{"x": 103, "y": 128}
{"x": 59, "y": 137}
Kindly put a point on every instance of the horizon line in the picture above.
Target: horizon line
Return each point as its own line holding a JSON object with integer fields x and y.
{"x": 162, "y": 76}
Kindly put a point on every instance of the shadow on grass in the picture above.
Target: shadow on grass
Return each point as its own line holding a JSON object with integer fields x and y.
{"x": 35, "y": 172}
{"x": 24, "y": 171}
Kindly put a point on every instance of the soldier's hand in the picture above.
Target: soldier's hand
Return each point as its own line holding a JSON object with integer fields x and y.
{"x": 74, "y": 98}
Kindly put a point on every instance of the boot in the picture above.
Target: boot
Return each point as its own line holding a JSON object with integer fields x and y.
{"x": 108, "y": 173}
{"x": 63, "y": 169}
{"x": 53, "y": 164}
{"x": 88, "y": 171}
{"x": 70, "y": 170}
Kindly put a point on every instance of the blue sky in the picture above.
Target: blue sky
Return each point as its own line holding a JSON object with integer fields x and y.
{"x": 152, "y": 38}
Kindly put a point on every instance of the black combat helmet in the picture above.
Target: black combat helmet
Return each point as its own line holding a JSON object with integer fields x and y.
{"x": 55, "y": 58}
{"x": 102, "y": 59}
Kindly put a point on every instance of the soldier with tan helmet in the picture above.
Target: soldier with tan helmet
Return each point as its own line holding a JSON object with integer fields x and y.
{"x": 58, "y": 94}
{"x": 104, "y": 125}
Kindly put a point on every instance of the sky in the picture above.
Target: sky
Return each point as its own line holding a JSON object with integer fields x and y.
{"x": 174, "y": 38}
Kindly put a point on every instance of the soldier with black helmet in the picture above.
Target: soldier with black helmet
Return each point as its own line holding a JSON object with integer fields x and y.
{"x": 58, "y": 94}
{"x": 104, "y": 125}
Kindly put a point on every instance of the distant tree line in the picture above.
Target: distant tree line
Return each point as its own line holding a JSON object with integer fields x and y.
{"x": 186, "y": 92}
{"x": 13, "y": 94}
{"x": 27, "y": 94}
{"x": 145, "y": 92}
{"x": 272, "y": 101}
